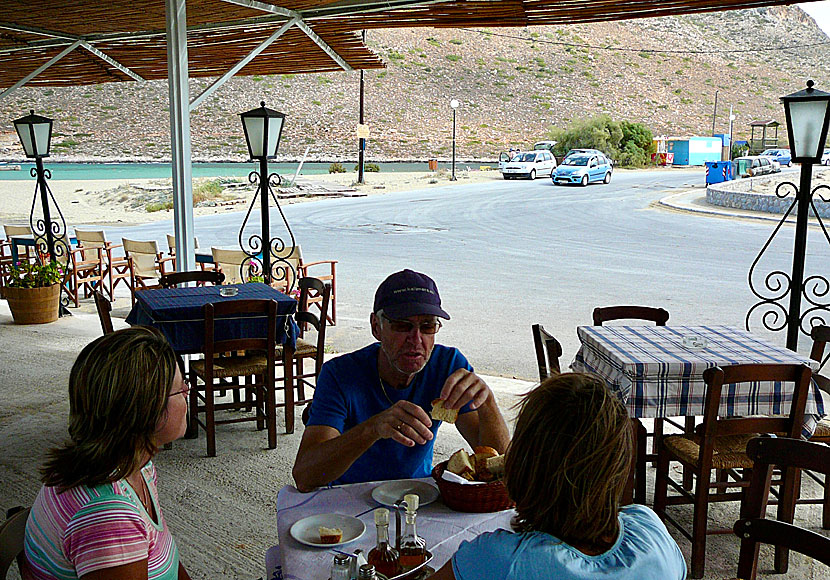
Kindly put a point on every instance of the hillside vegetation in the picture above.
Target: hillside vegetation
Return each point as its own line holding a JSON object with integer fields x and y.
{"x": 514, "y": 86}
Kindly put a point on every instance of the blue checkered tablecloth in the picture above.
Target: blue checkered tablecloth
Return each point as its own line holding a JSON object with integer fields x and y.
{"x": 179, "y": 314}
{"x": 655, "y": 375}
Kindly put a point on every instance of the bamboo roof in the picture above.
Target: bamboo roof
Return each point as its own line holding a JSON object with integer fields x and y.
{"x": 131, "y": 34}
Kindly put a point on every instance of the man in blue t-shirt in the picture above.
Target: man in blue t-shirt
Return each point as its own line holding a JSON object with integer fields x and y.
{"x": 370, "y": 417}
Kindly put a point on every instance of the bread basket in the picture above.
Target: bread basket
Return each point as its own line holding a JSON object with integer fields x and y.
{"x": 482, "y": 497}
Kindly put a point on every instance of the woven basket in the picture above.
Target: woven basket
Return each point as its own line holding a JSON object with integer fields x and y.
{"x": 483, "y": 497}
{"x": 34, "y": 305}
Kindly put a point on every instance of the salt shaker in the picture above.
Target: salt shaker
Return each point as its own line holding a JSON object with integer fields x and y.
{"x": 340, "y": 567}
{"x": 366, "y": 572}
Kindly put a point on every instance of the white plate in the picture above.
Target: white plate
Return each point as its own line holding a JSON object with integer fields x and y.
{"x": 391, "y": 491}
{"x": 307, "y": 530}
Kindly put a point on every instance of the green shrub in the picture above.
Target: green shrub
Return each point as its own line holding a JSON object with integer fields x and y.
{"x": 158, "y": 206}
{"x": 629, "y": 144}
{"x": 369, "y": 167}
{"x": 453, "y": 57}
{"x": 337, "y": 168}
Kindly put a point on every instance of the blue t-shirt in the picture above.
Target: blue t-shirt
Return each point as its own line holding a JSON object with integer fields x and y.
{"x": 348, "y": 393}
{"x": 644, "y": 550}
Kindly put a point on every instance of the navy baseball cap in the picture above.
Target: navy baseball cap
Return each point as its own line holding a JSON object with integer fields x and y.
{"x": 408, "y": 293}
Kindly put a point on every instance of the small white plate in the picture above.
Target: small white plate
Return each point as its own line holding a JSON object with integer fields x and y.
{"x": 391, "y": 491}
{"x": 307, "y": 530}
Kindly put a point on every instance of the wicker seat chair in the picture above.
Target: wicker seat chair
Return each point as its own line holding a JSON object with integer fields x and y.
{"x": 11, "y": 541}
{"x": 548, "y": 351}
{"x": 753, "y": 528}
{"x": 201, "y": 277}
{"x": 720, "y": 444}
{"x": 305, "y": 350}
{"x": 222, "y": 365}
{"x": 147, "y": 265}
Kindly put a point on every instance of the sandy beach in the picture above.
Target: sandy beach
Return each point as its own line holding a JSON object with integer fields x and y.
{"x": 112, "y": 201}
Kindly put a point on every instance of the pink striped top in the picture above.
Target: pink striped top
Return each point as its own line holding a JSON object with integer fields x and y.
{"x": 85, "y": 529}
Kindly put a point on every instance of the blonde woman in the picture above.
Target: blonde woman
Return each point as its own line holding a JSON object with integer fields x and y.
{"x": 566, "y": 468}
{"x": 97, "y": 515}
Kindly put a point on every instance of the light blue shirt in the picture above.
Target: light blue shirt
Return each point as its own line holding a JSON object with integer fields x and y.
{"x": 644, "y": 550}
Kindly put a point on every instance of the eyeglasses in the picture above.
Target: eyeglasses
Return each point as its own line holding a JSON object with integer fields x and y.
{"x": 185, "y": 391}
{"x": 405, "y": 327}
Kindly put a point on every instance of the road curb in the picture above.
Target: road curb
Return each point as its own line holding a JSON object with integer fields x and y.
{"x": 679, "y": 201}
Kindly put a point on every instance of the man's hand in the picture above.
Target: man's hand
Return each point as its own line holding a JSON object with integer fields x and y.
{"x": 405, "y": 422}
{"x": 462, "y": 387}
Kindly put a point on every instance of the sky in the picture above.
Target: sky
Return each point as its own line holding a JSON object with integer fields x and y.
{"x": 820, "y": 11}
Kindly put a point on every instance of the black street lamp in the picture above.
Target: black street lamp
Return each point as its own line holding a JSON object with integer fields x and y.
{"x": 808, "y": 114}
{"x": 266, "y": 255}
{"x": 35, "y": 133}
{"x": 454, "y": 105}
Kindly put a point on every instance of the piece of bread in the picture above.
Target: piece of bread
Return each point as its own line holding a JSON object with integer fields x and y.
{"x": 460, "y": 464}
{"x": 330, "y": 535}
{"x": 485, "y": 450}
{"x": 495, "y": 465}
{"x": 439, "y": 413}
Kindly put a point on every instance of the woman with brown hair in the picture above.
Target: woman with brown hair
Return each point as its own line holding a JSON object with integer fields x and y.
{"x": 97, "y": 515}
{"x": 566, "y": 468}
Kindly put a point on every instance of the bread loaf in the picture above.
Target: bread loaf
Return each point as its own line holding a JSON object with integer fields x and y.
{"x": 495, "y": 465}
{"x": 330, "y": 535}
{"x": 460, "y": 464}
{"x": 439, "y": 413}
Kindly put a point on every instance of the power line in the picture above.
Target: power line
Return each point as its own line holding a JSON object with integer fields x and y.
{"x": 647, "y": 50}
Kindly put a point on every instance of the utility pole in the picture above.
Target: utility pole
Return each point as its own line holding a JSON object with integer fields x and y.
{"x": 361, "y": 141}
{"x": 731, "y": 119}
{"x": 715, "y": 112}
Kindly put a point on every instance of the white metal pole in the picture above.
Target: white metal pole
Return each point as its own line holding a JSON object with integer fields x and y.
{"x": 177, "y": 74}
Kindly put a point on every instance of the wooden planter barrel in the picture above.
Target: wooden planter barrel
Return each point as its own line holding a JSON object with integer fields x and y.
{"x": 33, "y": 305}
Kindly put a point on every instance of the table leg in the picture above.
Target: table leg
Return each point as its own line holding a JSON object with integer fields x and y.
{"x": 640, "y": 438}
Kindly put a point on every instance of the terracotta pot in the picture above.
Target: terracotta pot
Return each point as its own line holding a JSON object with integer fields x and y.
{"x": 34, "y": 305}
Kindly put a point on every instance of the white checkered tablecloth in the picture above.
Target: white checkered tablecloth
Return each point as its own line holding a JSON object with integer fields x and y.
{"x": 442, "y": 528}
{"x": 656, "y": 376}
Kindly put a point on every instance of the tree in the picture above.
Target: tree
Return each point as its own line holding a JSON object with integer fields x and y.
{"x": 628, "y": 143}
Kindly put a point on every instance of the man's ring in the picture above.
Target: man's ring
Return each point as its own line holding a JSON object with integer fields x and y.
{"x": 399, "y": 427}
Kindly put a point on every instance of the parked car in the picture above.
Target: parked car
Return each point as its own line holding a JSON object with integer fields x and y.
{"x": 754, "y": 165}
{"x": 549, "y": 145}
{"x": 586, "y": 152}
{"x": 825, "y": 159}
{"x": 531, "y": 164}
{"x": 583, "y": 168}
{"x": 782, "y": 156}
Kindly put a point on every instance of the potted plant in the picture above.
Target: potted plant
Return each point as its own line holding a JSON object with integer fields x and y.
{"x": 33, "y": 292}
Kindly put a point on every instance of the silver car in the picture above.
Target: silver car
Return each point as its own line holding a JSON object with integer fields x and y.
{"x": 531, "y": 164}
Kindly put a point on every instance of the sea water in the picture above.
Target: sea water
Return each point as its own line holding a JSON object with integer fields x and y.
{"x": 95, "y": 171}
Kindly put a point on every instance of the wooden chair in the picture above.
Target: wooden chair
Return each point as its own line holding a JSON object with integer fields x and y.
{"x": 14, "y": 230}
{"x": 6, "y": 263}
{"x": 146, "y": 264}
{"x": 659, "y": 317}
{"x": 86, "y": 271}
{"x": 12, "y": 532}
{"x": 304, "y": 349}
{"x": 753, "y": 528}
{"x": 821, "y": 335}
{"x": 259, "y": 361}
{"x": 115, "y": 268}
{"x": 202, "y": 277}
{"x": 548, "y": 351}
{"x": 171, "y": 249}
{"x": 230, "y": 263}
{"x": 323, "y": 270}
{"x": 104, "y": 307}
{"x": 720, "y": 444}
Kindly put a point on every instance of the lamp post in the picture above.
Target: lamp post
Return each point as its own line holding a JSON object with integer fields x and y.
{"x": 715, "y": 112}
{"x": 35, "y": 133}
{"x": 263, "y": 129}
{"x": 808, "y": 114}
{"x": 807, "y": 118}
{"x": 731, "y": 120}
{"x": 454, "y": 105}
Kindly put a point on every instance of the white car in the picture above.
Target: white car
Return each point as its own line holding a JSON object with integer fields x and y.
{"x": 530, "y": 164}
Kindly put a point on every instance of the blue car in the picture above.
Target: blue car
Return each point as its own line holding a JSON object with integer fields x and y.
{"x": 782, "y": 156}
{"x": 583, "y": 168}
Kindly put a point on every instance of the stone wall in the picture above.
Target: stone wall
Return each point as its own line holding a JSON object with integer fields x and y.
{"x": 758, "y": 194}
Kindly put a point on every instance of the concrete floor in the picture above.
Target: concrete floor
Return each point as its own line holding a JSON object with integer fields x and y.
{"x": 222, "y": 510}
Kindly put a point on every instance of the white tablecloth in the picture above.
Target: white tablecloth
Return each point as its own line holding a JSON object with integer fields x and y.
{"x": 442, "y": 528}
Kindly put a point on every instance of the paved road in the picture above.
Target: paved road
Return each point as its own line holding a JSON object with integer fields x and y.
{"x": 509, "y": 254}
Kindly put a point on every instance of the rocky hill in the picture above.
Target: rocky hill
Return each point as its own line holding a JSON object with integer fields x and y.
{"x": 513, "y": 85}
